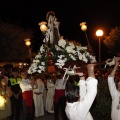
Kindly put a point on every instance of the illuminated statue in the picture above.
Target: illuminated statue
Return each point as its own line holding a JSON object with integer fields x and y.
{"x": 52, "y": 34}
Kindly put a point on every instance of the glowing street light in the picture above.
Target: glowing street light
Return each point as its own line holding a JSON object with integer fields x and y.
{"x": 99, "y": 33}
{"x": 43, "y": 29}
{"x": 84, "y": 28}
{"x": 43, "y": 26}
{"x": 28, "y": 43}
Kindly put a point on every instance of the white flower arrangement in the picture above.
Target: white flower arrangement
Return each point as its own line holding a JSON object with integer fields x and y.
{"x": 61, "y": 53}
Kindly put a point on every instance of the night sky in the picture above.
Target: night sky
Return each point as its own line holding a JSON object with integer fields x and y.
{"x": 98, "y": 14}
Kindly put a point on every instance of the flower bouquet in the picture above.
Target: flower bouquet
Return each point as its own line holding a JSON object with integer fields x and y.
{"x": 65, "y": 54}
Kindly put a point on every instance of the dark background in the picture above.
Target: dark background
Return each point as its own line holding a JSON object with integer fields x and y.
{"x": 98, "y": 14}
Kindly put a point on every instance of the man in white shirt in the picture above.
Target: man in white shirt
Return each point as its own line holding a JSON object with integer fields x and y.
{"x": 27, "y": 94}
{"x": 79, "y": 99}
{"x": 115, "y": 91}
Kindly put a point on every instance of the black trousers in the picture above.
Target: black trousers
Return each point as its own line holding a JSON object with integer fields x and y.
{"x": 29, "y": 116}
{"x": 16, "y": 107}
{"x": 60, "y": 107}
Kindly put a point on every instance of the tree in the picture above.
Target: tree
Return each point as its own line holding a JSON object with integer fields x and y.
{"x": 101, "y": 108}
{"x": 12, "y": 44}
{"x": 112, "y": 41}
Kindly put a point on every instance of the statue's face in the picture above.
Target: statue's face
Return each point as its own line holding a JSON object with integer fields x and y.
{"x": 52, "y": 18}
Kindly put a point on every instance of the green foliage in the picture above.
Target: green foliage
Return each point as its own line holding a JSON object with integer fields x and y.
{"x": 12, "y": 44}
{"x": 101, "y": 108}
{"x": 113, "y": 40}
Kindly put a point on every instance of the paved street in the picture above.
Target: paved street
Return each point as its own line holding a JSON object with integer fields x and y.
{"x": 46, "y": 117}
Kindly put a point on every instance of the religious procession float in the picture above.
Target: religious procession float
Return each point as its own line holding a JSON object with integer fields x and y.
{"x": 56, "y": 53}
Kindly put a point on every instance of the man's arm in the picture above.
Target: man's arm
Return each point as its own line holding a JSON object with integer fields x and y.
{"x": 117, "y": 62}
{"x": 111, "y": 83}
{"x": 91, "y": 92}
{"x": 82, "y": 85}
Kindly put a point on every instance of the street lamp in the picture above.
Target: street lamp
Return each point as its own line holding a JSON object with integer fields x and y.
{"x": 43, "y": 26}
{"x": 43, "y": 29}
{"x": 28, "y": 43}
{"x": 99, "y": 33}
{"x": 84, "y": 28}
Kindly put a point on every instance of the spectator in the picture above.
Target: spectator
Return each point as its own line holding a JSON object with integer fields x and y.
{"x": 38, "y": 96}
{"x": 16, "y": 98}
{"x": 27, "y": 85}
{"x": 5, "y": 94}
{"x": 115, "y": 91}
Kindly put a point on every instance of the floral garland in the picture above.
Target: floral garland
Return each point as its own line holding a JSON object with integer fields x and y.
{"x": 60, "y": 54}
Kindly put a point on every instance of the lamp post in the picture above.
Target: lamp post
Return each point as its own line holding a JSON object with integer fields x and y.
{"x": 43, "y": 28}
{"x": 99, "y": 33}
{"x": 84, "y": 28}
{"x": 28, "y": 43}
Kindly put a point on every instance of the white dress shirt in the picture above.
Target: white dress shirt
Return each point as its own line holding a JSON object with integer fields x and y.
{"x": 80, "y": 110}
{"x": 60, "y": 84}
{"x": 25, "y": 85}
{"x": 115, "y": 94}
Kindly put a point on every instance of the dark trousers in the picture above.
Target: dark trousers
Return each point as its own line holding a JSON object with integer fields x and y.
{"x": 16, "y": 107}
{"x": 27, "y": 115}
{"x": 60, "y": 107}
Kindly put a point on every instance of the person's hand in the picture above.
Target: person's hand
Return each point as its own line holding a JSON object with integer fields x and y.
{"x": 6, "y": 96}
{"x": 79, "y": 73}
{"x": 93, "y": 60}
{"x": 117, "y": 61}
{"x": 16, "y": 96}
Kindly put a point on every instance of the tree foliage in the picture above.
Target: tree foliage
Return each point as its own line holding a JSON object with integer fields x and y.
{"x": 12, "y": 44}
{"x": 112, "y": 41}
{"x": 101, "y": 108}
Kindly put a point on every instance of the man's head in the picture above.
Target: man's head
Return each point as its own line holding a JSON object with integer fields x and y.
{"x": 15, "y": 74}
{"x": 24, "y": 75}
{"x": 3, "y": 81}
{"x": 72, "y": 92}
